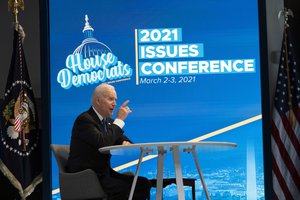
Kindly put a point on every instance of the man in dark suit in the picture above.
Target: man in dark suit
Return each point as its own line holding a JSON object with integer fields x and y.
{"x": 94, "y": 129}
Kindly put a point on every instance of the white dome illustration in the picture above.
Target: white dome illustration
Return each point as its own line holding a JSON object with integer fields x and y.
{"x": 90, "y": 46}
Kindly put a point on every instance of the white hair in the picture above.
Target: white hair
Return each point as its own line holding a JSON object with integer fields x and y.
{"x": 100, "y": 90}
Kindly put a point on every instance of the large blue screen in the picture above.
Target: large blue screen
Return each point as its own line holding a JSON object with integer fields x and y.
{"x": 191, "y": 70}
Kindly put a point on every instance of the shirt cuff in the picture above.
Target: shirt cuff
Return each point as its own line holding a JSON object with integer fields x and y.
{"x": 120, "y": 123}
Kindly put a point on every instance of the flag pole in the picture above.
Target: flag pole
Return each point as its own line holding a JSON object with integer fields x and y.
{"x": 13, "y": 5}
{"x": 286, "y": 13}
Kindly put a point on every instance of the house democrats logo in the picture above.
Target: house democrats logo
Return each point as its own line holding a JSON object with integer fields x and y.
{"x": 92, "y": 62}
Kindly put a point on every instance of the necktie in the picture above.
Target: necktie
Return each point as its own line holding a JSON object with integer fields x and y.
{"x": 104, "y": 124}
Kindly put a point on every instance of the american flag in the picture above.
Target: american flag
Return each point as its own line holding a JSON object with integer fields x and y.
{"x": 18, "y": 123}
{"x": 285, "y": 126}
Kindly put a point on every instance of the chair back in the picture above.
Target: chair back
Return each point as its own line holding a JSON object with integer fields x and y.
{"x": 79, "y": 185}
{"x": 61, "y": 154}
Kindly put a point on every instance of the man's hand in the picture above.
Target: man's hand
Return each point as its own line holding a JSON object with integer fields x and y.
{"x": 123, "y": 111}
{"x": 126, "y": 143}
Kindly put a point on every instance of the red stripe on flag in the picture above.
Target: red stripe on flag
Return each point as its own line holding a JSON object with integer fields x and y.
{"x": 285, "y": 155}
{"x": 18, "y": 123}
{"x": 281, "y": 180}
{"x": 290, "y": 132}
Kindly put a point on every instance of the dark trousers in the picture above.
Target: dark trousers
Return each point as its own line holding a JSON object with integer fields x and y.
{"x": 117, "y": 186}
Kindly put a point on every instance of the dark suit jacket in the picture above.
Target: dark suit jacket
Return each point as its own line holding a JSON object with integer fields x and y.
{"x": 88, "y": 135}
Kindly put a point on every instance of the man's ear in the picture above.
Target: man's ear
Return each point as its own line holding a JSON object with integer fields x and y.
{"x": 98, "y": 100}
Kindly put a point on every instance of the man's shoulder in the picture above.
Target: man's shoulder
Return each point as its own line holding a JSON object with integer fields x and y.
{"x": 86, "y": 115}
{"x": 84, "y": 121}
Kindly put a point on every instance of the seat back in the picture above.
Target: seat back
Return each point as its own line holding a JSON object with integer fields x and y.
{"x": 79, "y": 185}
{"x": 61, "y": 154}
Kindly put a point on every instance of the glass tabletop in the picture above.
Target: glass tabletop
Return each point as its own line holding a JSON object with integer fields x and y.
{"x": 155, "y": 147}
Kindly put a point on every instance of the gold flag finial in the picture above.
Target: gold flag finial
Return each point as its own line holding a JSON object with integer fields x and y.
{"x": 286, "y": 12}
{"x": 13, "y": 5}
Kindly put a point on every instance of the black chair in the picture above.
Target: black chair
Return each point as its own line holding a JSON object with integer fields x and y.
{"x": 75, "y": 186}
{"x": 168, "y": 181}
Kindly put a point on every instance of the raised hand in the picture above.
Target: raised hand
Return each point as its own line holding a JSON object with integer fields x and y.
{"x": 123, "y": 111}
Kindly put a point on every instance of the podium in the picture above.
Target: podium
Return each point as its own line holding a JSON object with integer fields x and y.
{"x": 160, "y": 149}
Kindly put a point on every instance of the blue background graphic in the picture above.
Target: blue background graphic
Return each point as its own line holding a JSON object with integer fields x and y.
{"x": 172, "y": 111}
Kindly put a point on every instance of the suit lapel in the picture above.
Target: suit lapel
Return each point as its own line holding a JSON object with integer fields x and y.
{"x": 96, "y": 119}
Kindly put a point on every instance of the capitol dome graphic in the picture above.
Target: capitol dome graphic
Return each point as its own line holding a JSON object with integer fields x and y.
{"x": 92, "y": 62}
{"x": 90, "y": 46}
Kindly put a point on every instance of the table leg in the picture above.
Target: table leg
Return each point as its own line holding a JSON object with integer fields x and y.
{"x": 178, "y": 172}
{"x": 200, "y": 174}
{"x": 194, "y": 191}
{"x": 160, "y": 169}
{"x": 136, "y": 174}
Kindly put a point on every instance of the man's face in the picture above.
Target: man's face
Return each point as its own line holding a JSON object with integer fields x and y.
{"x": 107, "y": 102}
